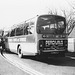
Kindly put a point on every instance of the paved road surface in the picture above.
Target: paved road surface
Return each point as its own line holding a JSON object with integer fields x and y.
{"x": 52, "y": 66}
{"x": 8, "y": 69}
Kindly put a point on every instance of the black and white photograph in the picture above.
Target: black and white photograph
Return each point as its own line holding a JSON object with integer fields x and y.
{"x": 37, "y": 37}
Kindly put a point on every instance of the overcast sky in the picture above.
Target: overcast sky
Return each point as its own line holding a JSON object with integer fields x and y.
{"x": 16, "y": 11}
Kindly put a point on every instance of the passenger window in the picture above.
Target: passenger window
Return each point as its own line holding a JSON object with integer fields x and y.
{"x": 12, "y": 33}
{"x": 19, "y": 31}
{"x": 26, "y": 28}
{"x": 29, "y": 28}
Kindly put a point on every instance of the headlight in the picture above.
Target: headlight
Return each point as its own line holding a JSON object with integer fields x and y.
{"x": 41, "y": 43}
{"x": 44, "y": 36}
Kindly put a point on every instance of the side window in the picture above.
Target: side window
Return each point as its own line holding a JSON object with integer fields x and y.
{"x": 12, "y": 33}
{"x": 7, "y": 34}
{"x": 26, "y": 28}
{"x": 19, "y": 31}
{"x": 31, "y": 28}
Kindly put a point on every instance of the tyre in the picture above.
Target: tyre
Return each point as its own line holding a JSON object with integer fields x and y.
{"x": 19, "y": 52}
{"x": 3, "y": 46}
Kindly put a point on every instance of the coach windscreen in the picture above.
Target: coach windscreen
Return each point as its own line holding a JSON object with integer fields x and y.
{"x": 51, "y": 24}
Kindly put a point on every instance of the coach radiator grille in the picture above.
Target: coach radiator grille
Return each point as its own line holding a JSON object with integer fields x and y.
{"x": 52, "y": 44}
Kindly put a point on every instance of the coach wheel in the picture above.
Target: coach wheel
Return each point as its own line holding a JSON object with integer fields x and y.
{"x": 19, "y": 52}
{"x": 3, "y": 47}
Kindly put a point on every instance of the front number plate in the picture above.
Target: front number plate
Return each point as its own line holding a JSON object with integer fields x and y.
{"x": 54, "y": 52}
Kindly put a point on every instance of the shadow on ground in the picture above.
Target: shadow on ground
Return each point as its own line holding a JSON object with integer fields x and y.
{"x": 58, "y": 61}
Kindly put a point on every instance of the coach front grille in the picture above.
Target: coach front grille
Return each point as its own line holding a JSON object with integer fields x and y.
{"x": 52, "y": 44}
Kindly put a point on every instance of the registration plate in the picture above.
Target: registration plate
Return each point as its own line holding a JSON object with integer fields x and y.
{"x": 54, "y": 52}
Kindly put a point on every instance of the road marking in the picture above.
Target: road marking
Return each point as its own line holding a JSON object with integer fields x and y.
{"x": 70, "y": 57}
{"x": 24, "y": 68}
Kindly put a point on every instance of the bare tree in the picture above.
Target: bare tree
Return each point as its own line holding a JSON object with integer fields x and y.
{"x": 70, "y": 20}
{"x": 70, "y": 17}
{"x": 52, "y": 12}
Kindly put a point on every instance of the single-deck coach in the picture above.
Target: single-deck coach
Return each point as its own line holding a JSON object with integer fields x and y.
{"x": 42, "y": 35}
